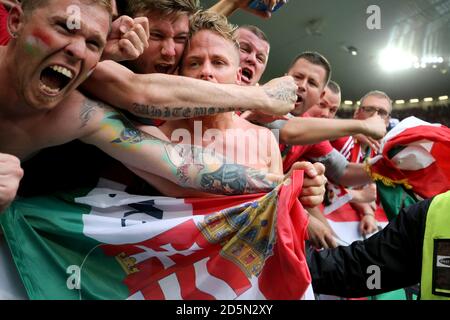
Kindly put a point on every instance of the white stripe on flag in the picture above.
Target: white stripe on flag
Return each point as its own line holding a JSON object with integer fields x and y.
{"x": 163, "y": 256}
{"x": 406, "y": 124}
{"x": 413, "y": 158}
{"x": 253, "y": 293}
{"x": 171, "y": 287}
{"x": 216, "y": 287}
{"x": 137, "y": 296}
{"x": 339, "y": 202}
{"x": 110, "y": 230}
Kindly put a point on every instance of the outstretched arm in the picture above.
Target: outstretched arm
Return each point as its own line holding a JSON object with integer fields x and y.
{"x": 169, "y": 97}
{"x": 313, "y": 130}
{"x": 185, "y": 165}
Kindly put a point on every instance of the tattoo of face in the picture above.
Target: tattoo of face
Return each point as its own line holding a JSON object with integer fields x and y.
{"x": 236, "y": 179}
{"x": 176, "y": 112}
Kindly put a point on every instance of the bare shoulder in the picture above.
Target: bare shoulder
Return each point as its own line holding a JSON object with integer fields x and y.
{"x": 247, "y": 125}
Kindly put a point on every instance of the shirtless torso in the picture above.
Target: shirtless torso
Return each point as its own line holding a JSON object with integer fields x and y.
{"x": 239, "y": 141}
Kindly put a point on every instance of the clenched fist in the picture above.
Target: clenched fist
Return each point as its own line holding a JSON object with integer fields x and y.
{"x": 314, "y": 182}
{"x": 128, "y": 39}
{"x": 10, "y": 175}
{"x": 282, "y": 93}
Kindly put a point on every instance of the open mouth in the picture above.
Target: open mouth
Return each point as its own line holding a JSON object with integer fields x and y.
{"x": 247, "y": 75}
{"x": 299, "y": 99}
{"x": 54, "y": 79}
{"x": 163, "y": 68}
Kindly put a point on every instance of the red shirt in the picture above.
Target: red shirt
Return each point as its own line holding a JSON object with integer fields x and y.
{"x": 292, "y": 154}
{"x": 4, "y": 34}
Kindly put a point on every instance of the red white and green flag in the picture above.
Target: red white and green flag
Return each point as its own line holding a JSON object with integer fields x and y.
{"x": 416, "y": 155}
{"x": 107, "y": 244}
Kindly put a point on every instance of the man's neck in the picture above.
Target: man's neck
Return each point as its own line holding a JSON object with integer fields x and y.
{"x": 221, "y": 121}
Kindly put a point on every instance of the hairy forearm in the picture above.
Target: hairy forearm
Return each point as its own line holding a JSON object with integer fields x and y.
{"x": 313, "y": 130}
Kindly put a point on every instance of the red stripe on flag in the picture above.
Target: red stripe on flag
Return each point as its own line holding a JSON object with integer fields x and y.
{"x": 230, "y": 273}
{"x": 205, "y": 206}
{"x": 186, "y": 278}
{"x": 286, "y": 274}
{"x": 153, "y": 292}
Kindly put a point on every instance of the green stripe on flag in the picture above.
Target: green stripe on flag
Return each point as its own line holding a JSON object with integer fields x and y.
{"x": 393, "y": 199}
{"x": 45, "y": 235}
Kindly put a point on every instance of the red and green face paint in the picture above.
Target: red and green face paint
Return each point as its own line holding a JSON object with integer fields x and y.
{"x": 37, "y": 43}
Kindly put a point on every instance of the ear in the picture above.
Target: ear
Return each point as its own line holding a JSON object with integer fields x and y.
{"x": 238, "y": 75}
{"x": 16, "y": 19}
{"x": 322, "y": 94}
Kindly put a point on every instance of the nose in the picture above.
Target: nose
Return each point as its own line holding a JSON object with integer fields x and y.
{"x": 206, "y": 72}
{"x": 168, "y": 48}
{"x": 251, "y": 58}
{"x": 301, "y": 84}
{"x": 76, "y": 49}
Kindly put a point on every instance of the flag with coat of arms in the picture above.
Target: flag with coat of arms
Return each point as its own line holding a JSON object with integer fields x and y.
{"x": 107, "y": 244}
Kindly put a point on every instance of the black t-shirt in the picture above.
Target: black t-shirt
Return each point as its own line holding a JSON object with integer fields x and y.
{"x": 396, "y": 250}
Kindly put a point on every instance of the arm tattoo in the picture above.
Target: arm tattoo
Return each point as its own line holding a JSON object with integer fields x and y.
{"x": 88, "y": 109}
{"x": 154, "y": 112}
{"x": 236, "y": 179}
{"x": 280, "y": 92}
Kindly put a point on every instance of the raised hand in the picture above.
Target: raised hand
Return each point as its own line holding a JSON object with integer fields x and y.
{"x": 128, "y": 39}
{"x": 375, "y": 127}
{"x": 243, "y": 4}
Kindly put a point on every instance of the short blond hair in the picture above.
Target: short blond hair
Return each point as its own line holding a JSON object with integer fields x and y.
{"x": 208, "y": 20}
{"x": 162, "y": 7}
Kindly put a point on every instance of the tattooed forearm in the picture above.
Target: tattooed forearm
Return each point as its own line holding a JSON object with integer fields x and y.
{"x": 281, "y": 92}
{"x": 234, "y": 179}
{"x": 154, "y": 112}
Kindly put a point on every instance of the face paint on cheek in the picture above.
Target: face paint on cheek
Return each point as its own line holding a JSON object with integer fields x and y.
{"x": 37, "y": 44}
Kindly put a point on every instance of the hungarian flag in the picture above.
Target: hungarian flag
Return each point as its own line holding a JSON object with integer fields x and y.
{"x": 108, "y": 244}
{"x": 415, "y": 154}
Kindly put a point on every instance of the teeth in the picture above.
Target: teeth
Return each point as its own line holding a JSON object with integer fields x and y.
{"x": 63, "y": 71}
{"x": 48, "y": 89}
